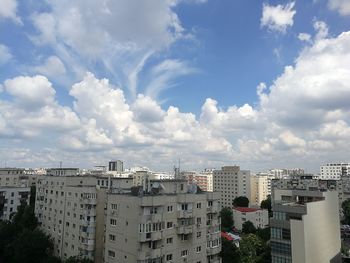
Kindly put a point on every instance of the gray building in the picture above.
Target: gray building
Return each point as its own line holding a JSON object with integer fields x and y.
{"x": 117, "y": 166}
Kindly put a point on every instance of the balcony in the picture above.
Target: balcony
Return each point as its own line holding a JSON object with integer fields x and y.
{"x": 213, "y": 209}
{"x": 152, "y": 236}
{"x": 150, "y": 254}
{"x": 185, "y": 230}
{"x": 89, "y": 201}
{"x": 213, "y": 250}
{"x": 153, "y": 218}
{"x": 185, "y": 214}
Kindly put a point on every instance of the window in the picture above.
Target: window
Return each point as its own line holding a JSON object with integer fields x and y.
{"x": 184, "y": 253}
{"x": 199, "y": 205}
{"x": 112, "y": 237}
{"x": 184, "y": 207}
{"x": 154, "y": 210}
{"x": 169, "y": 240}
{"x": 198, "y": 249}
{"x": 169, "y": 257}
{"x": 114, "y": 206}
{"x": 113, "y": 222}
{"x": 111, "y": 253}
{"x": 169, "y": 224}
{"x": 184, "y": 237}
{"x": 199, "y": 234}
{"x": 170, "y": 208}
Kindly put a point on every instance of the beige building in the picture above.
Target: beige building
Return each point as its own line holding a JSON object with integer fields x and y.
{"x": 108, "y": 219}
{"x": 203, "y": 179}
{"x": 259, "y": 189}
{"x": 231, "y": 182}
{"x": 259, "y": 217}
{"x": 165, "y": 223}
{"x": 71, "y": 210}
{"x": 305, "y": 227}
{"x": 14, "y": 190}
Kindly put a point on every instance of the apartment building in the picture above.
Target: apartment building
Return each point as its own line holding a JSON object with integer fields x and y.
{"x": 11, "y": 198}
{"x": 305, "y": 226}
{"x": 259, "y": 217}
{"x": 203, "y": 179}
{"x": 168, "y": 222}
{"x": 334, "y": 171}
{"x": 259, "y": 189}
{"x": 71, "y": 210}
{"x": 231, "y": 182}
{"x": 14, "y": 190}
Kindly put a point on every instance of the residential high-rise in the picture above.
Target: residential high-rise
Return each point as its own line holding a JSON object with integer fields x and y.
{"x": 305, "y": 226}
{"x": 231, "y": 182}
{"x": 117, "y": 166}
{"x": 258, "y": 217}
{"x": 110, "y": 219}
{"x": 334, "y": 171}
{"x": 166, "y": 223}
{"x": 258, "y": 189}
{"x": 15, "y": 186}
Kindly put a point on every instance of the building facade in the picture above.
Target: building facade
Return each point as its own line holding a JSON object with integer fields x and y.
{"x": 305, "y": 227}
{"x": 334, "y": 171}
{"x": 259, "y": 189}
{"x": 259, "y": 217}
{"x": 231, "y": 182}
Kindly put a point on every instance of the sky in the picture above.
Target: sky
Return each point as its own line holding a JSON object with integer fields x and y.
{"x": 260, "y": 84}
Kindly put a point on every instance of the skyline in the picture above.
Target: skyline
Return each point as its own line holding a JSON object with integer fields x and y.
{"x": 261, "y": 85}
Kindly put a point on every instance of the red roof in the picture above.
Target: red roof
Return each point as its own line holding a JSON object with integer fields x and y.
{"x": 246, "y": 209}
{"x": 226, "y": 236}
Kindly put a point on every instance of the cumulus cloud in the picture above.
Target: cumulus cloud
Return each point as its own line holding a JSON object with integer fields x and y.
{"x": 8, "y": 10}
{"x": 303, "y": 114}
{"x": 341, "y": 6}
{"x": 304, "y": 37}
{"x": 278, "y": 18}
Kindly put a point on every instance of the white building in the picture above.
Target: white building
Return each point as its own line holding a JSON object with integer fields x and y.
{"x": 259, "y": 217}
{"x": 231, "y": 182}
{"x": 259, "y": 189}
{"x": 334, "y": 171}
{"x": 305, "y": 227}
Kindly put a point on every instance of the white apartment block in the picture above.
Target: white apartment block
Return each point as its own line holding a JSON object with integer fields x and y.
{"x": 305, "y": 227}
{"x": 71, "y": 210}
{"x": 259, "y": 217}
{"x": 231, "y": 182}
{"x": 259, "y": 189}
{"x": 11, "y": 198}
{"x": 334, "y": 171}
{"x": 170, "y": 225}
{"x": 17, "y": 177}
{"x": 203, "y": 179}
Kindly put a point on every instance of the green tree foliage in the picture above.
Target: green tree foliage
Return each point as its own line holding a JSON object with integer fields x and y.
{"x": 226, "y": 219}
{"x": 266, "y": 204}
{"x": 78, "y": 260}
{"x": 229, "y": 252}
{"x": 251, "y": 247}
{"x": 346, "y": 211}
{"x": 248, "y": 228}
{"x": 240, "y": 201}
{"x": 32, "y": 196}
{"x": 22, "y": 242}
{"x": 264, "y": 233}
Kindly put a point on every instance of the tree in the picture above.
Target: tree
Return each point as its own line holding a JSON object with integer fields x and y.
{"x": 32, "y": 196}
{"x": 346, "y": 212}
{"x": 264, "y": 233}
{"x": 229, "y": 252}
{"x": 250, "y": 248}
{"x": 266, "y": 204}
{"x": 240, "y": 201}
{"x": 226, "y": 219}
{"x": 248, "y": 228}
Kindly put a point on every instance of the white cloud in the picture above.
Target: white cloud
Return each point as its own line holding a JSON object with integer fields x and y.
{"x": 304, "y": 37}
{"x": 278, "y": 18}
{"x": 5, "y": 54}
{"x": 342, "y": 6}
{"x": 8, "y": 9}
{"x": 321, "y": 29}
{"x": 52, "y": 67}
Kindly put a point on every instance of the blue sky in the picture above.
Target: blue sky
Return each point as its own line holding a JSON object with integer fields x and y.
{"x": 211, "y": 82}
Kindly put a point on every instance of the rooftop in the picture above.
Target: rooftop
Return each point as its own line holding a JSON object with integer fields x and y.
{"x": 246, "y": 209}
